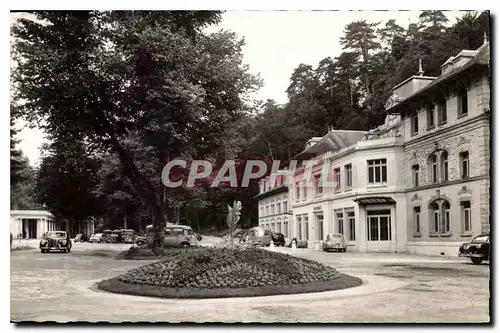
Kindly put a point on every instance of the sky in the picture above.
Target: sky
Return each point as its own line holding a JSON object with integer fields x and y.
{"x": 276, "y": 43}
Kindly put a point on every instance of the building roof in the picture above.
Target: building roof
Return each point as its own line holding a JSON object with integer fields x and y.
{"x": 31, "y": 213}
{"x": 268, "y": 193}
{"x": 482, "y": 58}
{"x": 332, "y": 141}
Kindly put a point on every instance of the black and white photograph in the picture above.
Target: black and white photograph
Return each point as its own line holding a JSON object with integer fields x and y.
{"x": 250, "y": 166}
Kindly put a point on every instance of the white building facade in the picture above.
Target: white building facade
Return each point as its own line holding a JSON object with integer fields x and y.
{"x": 418, "y": 183}
{"x": 274, "y": 204}
{"x": 35, "y": 223}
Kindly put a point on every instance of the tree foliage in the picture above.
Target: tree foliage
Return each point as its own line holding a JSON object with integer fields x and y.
{"x": 102, "y": 75}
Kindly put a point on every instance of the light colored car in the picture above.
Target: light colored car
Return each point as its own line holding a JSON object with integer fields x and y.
{"x": 174, "y": 235}
{"x": 259, "y": 236}
{"x": 95, "y": 238}
{"x": 335, "y": 242}
{"x": 55, "y": 241}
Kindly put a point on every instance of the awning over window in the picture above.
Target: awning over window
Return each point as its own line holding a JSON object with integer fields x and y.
{"x": 374, "y": 201}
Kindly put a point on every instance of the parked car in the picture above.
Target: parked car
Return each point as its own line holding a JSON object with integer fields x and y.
{"x": 55, "y": 241}
{"x": 80, "y": 238}
{"x": 478, "y": 249}
{"x": 128, "y": 236}
{"x": 335, "y": 242}
{"x": 140, "y": 240}
{"x": 95, "y": 238}
{"x": 177, "y": 235}
{"x": 259, "y": 236}
{"x": 278, "y": 238}
{"x": 174, "y": 235}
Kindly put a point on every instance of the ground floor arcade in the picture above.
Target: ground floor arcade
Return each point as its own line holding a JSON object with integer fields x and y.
{"x": 32, "y": 224}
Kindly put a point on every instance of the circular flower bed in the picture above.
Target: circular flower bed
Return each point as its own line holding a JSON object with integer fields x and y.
{"x": 222, "y": 272}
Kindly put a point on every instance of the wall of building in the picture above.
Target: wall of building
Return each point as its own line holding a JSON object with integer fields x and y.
{"x": 281, "y": 219}
{"x": 341, "y": 200}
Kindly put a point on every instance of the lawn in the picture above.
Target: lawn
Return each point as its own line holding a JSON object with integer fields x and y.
{"x": 225, "y": 272}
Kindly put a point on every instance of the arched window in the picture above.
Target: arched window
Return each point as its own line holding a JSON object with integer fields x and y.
{"x": 434, "y": 217}
{"x": 440, "y": 218}
{"x": 433, "y": 167}
{"x": 444, "y": 166}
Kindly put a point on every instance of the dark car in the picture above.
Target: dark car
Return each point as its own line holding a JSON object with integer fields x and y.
{"x": 140, "y": 240}
{"x": 478, "y": 249}
{"x": 278, "y": 239}
{"x": 55, "y": 241}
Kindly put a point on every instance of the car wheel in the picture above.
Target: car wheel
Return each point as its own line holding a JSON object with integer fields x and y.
{"x": 43, "y": 251}
{"x": 476, "y": 261}
{"x": 184, "y": 245}
{"x": 69, "y": 249}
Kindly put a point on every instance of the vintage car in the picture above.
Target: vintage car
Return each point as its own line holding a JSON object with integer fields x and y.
{"x": 106, "y": 236}
{"x": 127, "y": 236}
{"x": 335, "y": 242}
{"x": 259, "y": 236}
{"x": 95, "y": 238}
{"x": 55, "y": 241}
{"x": 140, "y": 240}
{"x": 174, "y": 235}
{"x": 278, "y": 239}
{"x": 478, "y": 249}
{"x": 81, "y": 238}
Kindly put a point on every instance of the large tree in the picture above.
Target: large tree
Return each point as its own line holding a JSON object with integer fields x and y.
{"x": 67, "y": 179}
{"x": 360, "y": 36}
{"x": 100, "y": 75}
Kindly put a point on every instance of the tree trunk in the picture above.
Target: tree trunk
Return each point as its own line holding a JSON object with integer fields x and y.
{"x": 125, "y": 216}
{"x": 142, "y": 185}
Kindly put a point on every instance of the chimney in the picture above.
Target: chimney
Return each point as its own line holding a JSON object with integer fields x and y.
{"x": 420, "y": 70}
{"x": 413, "y": 84}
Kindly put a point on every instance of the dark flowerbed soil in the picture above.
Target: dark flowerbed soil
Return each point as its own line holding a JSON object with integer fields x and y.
{"x": 222, "y": 272}
{"x": 114, "y": 285}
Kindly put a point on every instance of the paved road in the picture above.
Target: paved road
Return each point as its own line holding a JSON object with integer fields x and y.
{"x": 398, "y": 288}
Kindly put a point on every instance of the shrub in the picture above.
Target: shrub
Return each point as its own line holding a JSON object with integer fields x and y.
{"x": 226, "y": 268}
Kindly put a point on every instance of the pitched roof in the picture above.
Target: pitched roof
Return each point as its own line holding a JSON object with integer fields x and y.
{"x": 332, "y": 141}
{"x": 482, "y": 58}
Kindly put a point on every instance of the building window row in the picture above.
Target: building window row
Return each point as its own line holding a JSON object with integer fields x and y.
{"x": 274, "y": 208}
{"x": 442, "y": 113}
{"x": 377, "y": 174}
{"x": 438, "y": 168}
{"x": 440, "y": 218}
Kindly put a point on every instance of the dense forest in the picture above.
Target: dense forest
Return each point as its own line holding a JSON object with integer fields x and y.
{"x": 121, "y": 93}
